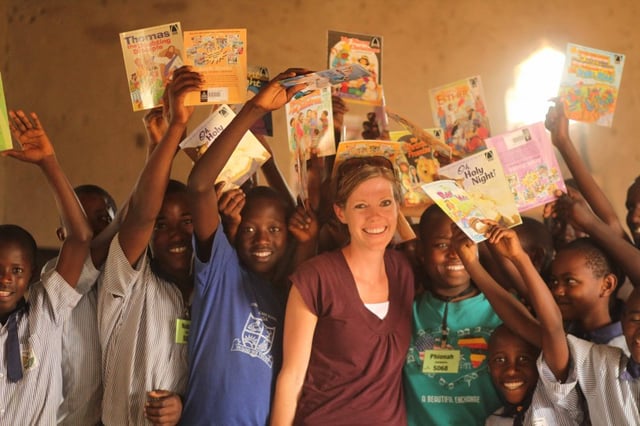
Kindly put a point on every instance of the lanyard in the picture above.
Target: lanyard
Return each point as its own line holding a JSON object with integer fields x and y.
{"x": 444, "y": 328}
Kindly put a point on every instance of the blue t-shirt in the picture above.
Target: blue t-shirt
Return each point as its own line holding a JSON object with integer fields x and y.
{"x": 235, "y": 342}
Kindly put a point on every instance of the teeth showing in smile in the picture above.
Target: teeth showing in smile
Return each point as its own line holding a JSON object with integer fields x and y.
{"x": 513, "y": 385}
{"x": 375, "y": 230}
{"x": 455, "y": 267}
{"x": 264, "y": 253}
{"x": 5, "y": 293}
{"x": 181, "y": 249}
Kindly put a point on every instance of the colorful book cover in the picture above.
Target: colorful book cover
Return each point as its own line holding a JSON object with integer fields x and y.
{"x": 482, "y": 176}
{"x": 459, "y": 206}
{"x": 257, "y": 78}
{"x": 331, "y": 77}
{"x": 150, "y": 57}
{"x": 365, "y": 50}
{"x": 590, "y": 83}
{"x": 221, "y": 57}
{"x": 5, "y": 132}
{"x": 459, "y": 108}
{"x": 310, "y": 124}
{"x": 530, "y": 165}
{"x": 364, "y": 121}
{"x": 247, "y": 158}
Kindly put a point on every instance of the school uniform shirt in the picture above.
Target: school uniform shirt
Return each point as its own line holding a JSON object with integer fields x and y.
{"x": 137, "y": 314}
{"x": 235, "y": 342}
{"x": 600, "y": 373}
{"x": 34, "y": 399}
{"x": 81, "y": 357}
{"x": 610, "y": 334}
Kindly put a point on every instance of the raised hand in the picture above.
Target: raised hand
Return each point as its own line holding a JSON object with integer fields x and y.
{"x": 274, "y": 95}
{"x": 573, "y": 208}
{"x": 184, "y": 81}
{"x": 504, "y": 241}
{"x": 557, "y": 123}
{"x": 29, "y": 133}
{"x": 303, "y": 224}
{"x": 155, "y": 125}
{"x": 466, "y": 249}
{"x": 230, "y": 204}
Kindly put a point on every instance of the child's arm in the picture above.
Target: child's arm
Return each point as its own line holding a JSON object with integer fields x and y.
{"x": 514, "y": 314}
{"x": 230, "y": 204}
{"x": 204, "y": 200}
{"x": 304, "y": 227}
{"x": 37, "y": 149}
{"x": 149, "y": 190}
{"x": 273, "y": 175}
{"x": 558, "y": 124}
{"x": 554, "y": 343}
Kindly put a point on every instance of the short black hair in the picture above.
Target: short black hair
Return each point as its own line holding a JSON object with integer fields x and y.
{"x": 174, "y": 186}
{"x": 98, "y": 190}
{"x": 427, "y": 218}
{"x": 16, "y": 234}
{"x": 597, "y": 259}
{"x": 266, "y": 192}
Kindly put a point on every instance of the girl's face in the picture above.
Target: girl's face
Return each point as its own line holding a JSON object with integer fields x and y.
{"x": 15, "y": 274}
{"x": 370, "y": 213}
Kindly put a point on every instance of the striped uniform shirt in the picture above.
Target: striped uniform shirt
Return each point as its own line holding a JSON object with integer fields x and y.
{"x": 137, "y": 313}
{"x": 34, "y": 400}
{"x": 81, "y": 357}
{"x": 600, "y": 373}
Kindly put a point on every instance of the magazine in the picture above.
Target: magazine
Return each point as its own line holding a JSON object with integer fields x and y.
{"x": 530, "y": 165}
{"x": 221, "y": 57}
{"x": 5, "y": 133}
{"x": 481, "y": 175}
{"x": 590, "y": 83}
{"x": 310, "y": 124}
{"x": 365, "y": 50}
{"x": 247, "y": 158}
{"x": 459, "y": 206}
{"x": 150, "y": 57}
{"x": 321, "y": 79}
{"x": 459, "y": 108}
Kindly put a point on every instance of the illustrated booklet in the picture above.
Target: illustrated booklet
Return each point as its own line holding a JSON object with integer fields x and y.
{"x": 590, "y": 83}
{"x": 460, "y": 207}
{"x": 257, "y": 78}
{"x": 530, "y": 165}
{"x": 247, "y": 158}
{"x": 150, "y": 57}
{"x": 310, "y": 124}
{"x": 459, "y": 108}
{"x": 5, "y": 133}
{"x": 221, "y": 57}
{"x": 321, "y": 79}
{"x": 365, "y": 50}
{"x": 482, "y": 176}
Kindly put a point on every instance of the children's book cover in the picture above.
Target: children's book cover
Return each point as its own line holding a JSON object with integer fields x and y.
{"x": 310, "y": 124}
{"x": 364, "y": 121}
{"x": 590, "y": 83}
{"x": 482, "y": 176}
{"x": 5, "y": 132}
{"x": 530, "y": 165}
{"x": 331, "y": 77}
{"x": 248, "y": 156}
{"x": 150, "y": 57}
{"x": 365, "y": 50}
{"x": 440, "y": 149}
{"x": 257, "y": 78}
{"x": 459, "y": 206}
{"x": 459, "y": 108}
{"x": 221, "y": 57}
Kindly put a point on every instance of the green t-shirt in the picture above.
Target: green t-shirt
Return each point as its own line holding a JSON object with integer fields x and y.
{"x": 465, "y": 397}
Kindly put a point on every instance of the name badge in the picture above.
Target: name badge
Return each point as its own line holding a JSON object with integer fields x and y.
{"x": 441, "y": 361}
{"x": 182, "y": 331}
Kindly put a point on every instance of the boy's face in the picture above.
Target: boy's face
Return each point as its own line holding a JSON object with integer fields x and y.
{"x": 98, "y": 212}
{"x": 15, "y": 274}
{"x": 574, "y": 286}
{"x": 631, "y": 324}
{"x": 171, "y": 239}
{"x": 262, "y": 235}
{"x": 512, "y": 366}
{"x": 633, "y": 211}
{"x": 444, "y": 268}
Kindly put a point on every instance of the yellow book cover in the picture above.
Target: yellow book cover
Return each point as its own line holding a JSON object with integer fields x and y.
{"x": 5, "y": 133}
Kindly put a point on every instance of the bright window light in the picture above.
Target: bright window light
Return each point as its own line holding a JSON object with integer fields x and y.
{"x": 537, "y": 80}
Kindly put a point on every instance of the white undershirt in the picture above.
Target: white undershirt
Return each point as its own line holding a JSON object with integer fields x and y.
{"x": 379, "y": 309}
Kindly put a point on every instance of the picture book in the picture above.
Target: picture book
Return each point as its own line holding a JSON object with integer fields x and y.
{"x": 530, "y": 165}
{"x": 221, "y": 57}
{"x": 459, "y": 206}
{"x": 150, "y": 57}
{"x": 482, "y": 176}
{"x": 248, "y": 156}
{"x": 441, "y": 150}
{"x": 459, "y": 108}
{"x": 257, "y": 77}
{"x": 331, "y": 77}
{"x": 590, "y": 83}
{"x": 364, "y": 121}
{"x": 365, "y": 50}
{"x": 310, "y": 124}
{"x": 5, "y": 132}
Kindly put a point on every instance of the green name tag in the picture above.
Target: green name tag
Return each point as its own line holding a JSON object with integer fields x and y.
{"x": 182, "y": 331}
{"x": 441, "y": 361}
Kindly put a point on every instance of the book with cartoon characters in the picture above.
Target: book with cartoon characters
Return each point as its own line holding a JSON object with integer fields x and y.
{"x": 590, "y": 83}
{"x": 257, "y": 78}
{"x": 150, "y": 57}
{"x": 459, "y": 108}
{"x": 530, "y": 165}
{"x": 310, "y": 124}
{"x": 482, "y": 176}
{"x": 460, "y": 207}
{"x": 321, "y": 79}
{"x": 365, "y": 50}
{"x": 221, "y": 57}
{"x": 247, "y": 158}
{"x": 5, "y": 132}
